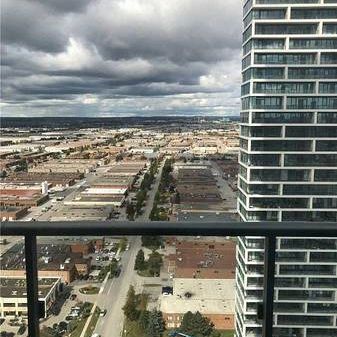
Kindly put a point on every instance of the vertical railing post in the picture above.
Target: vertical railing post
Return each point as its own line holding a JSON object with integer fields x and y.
{"x": 32, "y": 285}
{"x": 268, "y": 286}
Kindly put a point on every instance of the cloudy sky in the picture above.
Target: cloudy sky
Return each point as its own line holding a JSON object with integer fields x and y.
{"x": 120, "y": 57}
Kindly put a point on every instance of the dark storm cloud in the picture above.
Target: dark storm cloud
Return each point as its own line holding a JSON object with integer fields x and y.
{"x": 30, "y": 24}
{"x": 64, "y": 5}
{"x": 100, "y": 54}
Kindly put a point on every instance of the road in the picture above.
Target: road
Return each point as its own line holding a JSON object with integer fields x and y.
{"x": 229, "y": 197}
{"x": 151, "y": 195}
{"x": 114, "y": 293}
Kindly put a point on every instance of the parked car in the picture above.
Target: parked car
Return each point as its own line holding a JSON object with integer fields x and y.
{"x": 73, "y": 297}
{"x": 167, "y": 291}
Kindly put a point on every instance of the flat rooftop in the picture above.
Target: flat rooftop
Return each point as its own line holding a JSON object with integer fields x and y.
{"x": 16, "y": 287}
{"x": 203, "y": 259}
{"x": 57, "y": 254}
{"x": 100, "y": 197}
{"x": 205, "y": 215}
{"x": 208, "y": 296}
{"x": 75, "y": 213}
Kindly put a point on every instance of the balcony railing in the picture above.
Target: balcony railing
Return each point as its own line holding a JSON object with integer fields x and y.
{"x": 30, "y": 230}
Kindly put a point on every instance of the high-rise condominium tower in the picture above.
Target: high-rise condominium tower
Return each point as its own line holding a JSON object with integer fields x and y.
{"x": 288, "y": 162}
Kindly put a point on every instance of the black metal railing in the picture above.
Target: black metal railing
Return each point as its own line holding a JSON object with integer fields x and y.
{"x": 269, "y": 230}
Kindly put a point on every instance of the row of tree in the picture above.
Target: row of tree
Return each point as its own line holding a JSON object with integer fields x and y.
{"x": 151, "y": 323}
{"x": 166, "y": 177}
{"x": 152, "y": 242}
{"x": 149, "y": 177}
{"x": 152, "y": 265}
{"x": 159, "y": 213}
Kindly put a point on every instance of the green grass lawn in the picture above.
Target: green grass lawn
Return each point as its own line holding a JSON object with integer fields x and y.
{"x": 89, "y": 290}
{"x": 132, "y": 329}
{"x": 227, "y": 333}
{"x": 92, "y": 325}
{"x": 79, "y": 328}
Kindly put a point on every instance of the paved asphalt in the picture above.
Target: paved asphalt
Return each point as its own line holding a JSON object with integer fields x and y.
{"x": 114, "y": 294}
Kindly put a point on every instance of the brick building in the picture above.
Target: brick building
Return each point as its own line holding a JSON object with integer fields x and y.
{"x": 202, "y": 259}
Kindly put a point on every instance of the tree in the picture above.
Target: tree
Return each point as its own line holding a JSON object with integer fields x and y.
{"x": 196, "y": 325}
{"x": 154, "y": 263}
{"x": 113, "y": 267}
{"x": 140, "y": 260}
{"x": 156, "y": 324}
{"x": 130, "y": 307}
{"x": 151, "y": 242}
{"x": 144, "y": 319}
{"x": 177, "y": 199}
{"x": 141, "y": 196}
{"x": 130, "y": 211}
{"x": 157, "y": 197}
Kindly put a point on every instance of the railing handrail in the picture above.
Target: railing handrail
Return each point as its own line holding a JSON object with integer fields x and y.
{"x": 205, "y": 228}
{"x": 271, "y": 230}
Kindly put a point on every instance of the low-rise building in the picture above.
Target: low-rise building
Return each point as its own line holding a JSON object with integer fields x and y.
{"x": 54, "y": 179}
{"x": 202, "y": 259}
{"x": 54, "y": 260}
{"x": 13, "y": 299}
{"x": 10, "y": 213}
{"x": 65, "y": 166}
{"x": 21, "y": 195}
{"x": 77, "y": 213}
{"x": 95, "y": 200}
{"x": 213, "y": 298}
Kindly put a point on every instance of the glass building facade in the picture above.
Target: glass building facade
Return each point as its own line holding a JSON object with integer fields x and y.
{"x": 288, "y": 162}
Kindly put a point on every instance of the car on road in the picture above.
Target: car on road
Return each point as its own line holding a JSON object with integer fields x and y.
{"x": 118, "y": 271}
{"x": 95, "y": 335}
{"x": 103, "y": 312}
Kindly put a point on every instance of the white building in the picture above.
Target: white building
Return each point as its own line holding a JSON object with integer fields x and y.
{"x": 288, "y": 162}
{"x": 13, "y": 299}
{"x": 213, "y": 298}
